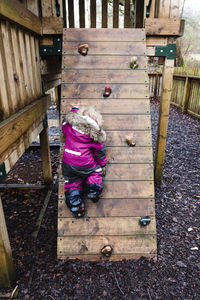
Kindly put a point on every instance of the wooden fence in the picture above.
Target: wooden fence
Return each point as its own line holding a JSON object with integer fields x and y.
{"x": 185, "y": 91}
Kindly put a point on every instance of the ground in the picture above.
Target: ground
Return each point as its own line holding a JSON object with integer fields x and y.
{"x": 175, "y": 273}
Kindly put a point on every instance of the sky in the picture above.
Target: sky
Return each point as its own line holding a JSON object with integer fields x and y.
{"x": 193, "y": 5}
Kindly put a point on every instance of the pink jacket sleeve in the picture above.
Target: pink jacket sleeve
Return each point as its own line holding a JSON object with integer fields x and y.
{"x": 100, "y": 153}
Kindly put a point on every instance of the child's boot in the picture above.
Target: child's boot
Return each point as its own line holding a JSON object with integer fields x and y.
{"x": 75, "y": 203}
{"x": 93, "y": 192}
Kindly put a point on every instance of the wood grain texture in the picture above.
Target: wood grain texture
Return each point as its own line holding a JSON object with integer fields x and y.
{"x": 91, "y": 245}
{"x": 127, "y": 14}
{"x": 93, "y": 13}
{"x": 71, "y": 13}
{"x": 16, "y": 12}
{"x": 100, "y": 226}
{"x": 106, "y": 106}
{"x": 115, "y": 13}
{"x": 124, "y": 189}
{"x": 105, "y": 35}
{"x": 108, "y": 48}
{"x": 52, "y": 25}
{"x": 112, "y": 208}
{"x": 82, "y": 13}
{"x": 90, "y": 258}
{"x": 104, "y": 13}
{"x": 163, "y": 26}
{"x": 100, "y": 62}
{"x": 96, "y": 91}
{"x": 104, "y": 76}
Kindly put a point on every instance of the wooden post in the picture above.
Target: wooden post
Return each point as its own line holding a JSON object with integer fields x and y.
{"x": 7, "y": 270}
{"x": 163, "y": 117}
{"x": 45, "y": 153}
{"x": 186, "y": 95}
{"x": 156, "y": 85}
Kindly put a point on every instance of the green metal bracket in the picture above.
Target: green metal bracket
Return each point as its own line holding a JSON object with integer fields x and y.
{"x": 2, "y": 172}
{"x": 45, "y": 122}
{"x": 55, "y": 49}
{"x": 168, "y": 51}
{"x": 148, "y": 8}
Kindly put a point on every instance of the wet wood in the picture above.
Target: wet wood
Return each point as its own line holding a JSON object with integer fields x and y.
{"x": 93, "y": 13}
{"x": 124, "y": 189}
{"x": 98, "y": 62}
{"x": 100, "y": 34}
{"x": 91, "y": 245}
{"x": 115, "y": 13}
{"x": 112, "y": 208}
{"x": 105, "y": 106}
{"x": 108, "y": 48}
{"x": 104, "y": 76}
{"x": 99, "y": 226}
{"x": 96, "y": 91}
{"x": 104, "y": 13}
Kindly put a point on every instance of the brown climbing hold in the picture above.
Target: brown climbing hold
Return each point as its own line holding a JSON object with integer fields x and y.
{"x": 83, "y": 49}
{"x": 107, "y": 250}
{"x": 130, "y": 142}
{"x": 107, "y": 91}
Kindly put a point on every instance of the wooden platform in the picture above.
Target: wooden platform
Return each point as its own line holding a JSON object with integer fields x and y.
{"x": 128, "y": 186}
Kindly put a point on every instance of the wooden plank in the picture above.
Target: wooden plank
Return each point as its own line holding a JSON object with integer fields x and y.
{"x": 93, "y": 13}
{"x": 46, "y": 6}
{"x": 104, "y": 13}
{"x": 111, "y": 48}
{"x": 91, "y": 245}
{"x": 30, "y": 66}
{"x": 32, "y": 5}
{"x": 38, "y": 66}
{"x": 115, "y": 13}
{"x": 126, "y": 172}
{"x": 82, "y": 13}
{"x": 174, "y": 8}
{"x": 91, "y": 258}
{"x": 16, "y": 12}
{"x": 112, "y": 208}
{"x": 52, "y": 25}
{"x": 96, "y": 91}
{"x": 100, "y": 34}
{"x": 45, "y": 154}
{"x": 17, "y": 124}
{"x": 164, "y": 9}
{"x": 98, "y": 62}
{"x": 113, "y": 226}
{"x": 7, "y": 270}
{"x": 71, "y": 13}
{"x": 125, "y": 106}
{"x": 124, "y": 189}
{"x": 104, "y": 76}
{"x": 139, "y": 8}
{"x": 117, "y": 138}
{"x": 167, "y": 80}
{"x": 163, "y": 26}
{"x": 156, "y": 41}
{"x": 127, "y": 10}
{"x": 126, "y": 122}
{"x": 8, "y": 66}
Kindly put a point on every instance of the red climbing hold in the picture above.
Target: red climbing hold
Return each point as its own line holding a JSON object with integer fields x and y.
{"x": 107, "y": 91}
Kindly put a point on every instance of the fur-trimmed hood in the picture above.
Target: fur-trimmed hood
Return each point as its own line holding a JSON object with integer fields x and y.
{"x": 86, "y": 125}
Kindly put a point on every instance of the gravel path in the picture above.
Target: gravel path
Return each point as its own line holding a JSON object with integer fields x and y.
{"x": 175, "y": 274}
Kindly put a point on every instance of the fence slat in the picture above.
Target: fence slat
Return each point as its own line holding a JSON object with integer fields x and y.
{"x": 93, "y": 13}
{"x": 115, "y": 13}
{"x": 71, "y": 13}
{"x": 104, "y": 13}
{"x": 127, "y": 14}
{"x": 82, "y": 13}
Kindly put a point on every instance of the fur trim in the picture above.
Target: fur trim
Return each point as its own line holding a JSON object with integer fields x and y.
{"x": 81, "y": 123}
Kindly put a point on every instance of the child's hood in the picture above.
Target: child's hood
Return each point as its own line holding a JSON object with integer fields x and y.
{"x": 86, "y": 125}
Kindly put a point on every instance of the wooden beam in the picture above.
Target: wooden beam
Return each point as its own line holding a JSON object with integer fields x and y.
{"x": 12, "y": 128}
{"x": 45, "y": 153}
{"x": 164, "y": 26}
{"x": 52, "y": 25}
{"x": 16, "y": 12}
{"x": 167, "y": 81}
{"x": 7, "y": 270}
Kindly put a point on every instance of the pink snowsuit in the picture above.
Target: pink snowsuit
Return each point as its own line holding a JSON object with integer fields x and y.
{"x": 84, "y": 153}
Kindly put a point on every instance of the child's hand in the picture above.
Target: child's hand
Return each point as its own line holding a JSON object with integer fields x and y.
{"x": 104, "y": 171}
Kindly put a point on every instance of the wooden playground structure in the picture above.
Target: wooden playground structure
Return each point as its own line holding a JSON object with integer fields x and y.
{"x": 37, "y": 53}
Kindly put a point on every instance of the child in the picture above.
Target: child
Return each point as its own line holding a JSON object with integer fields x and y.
{"x": 83, "y": 157}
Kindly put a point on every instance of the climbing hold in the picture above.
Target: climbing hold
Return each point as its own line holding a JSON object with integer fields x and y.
{"x": 107, "y": 91}
{"x": 107, "y": 250}
{"x": 133, "y": 62}
{"x": 130, "y": 142}
{"x": 83, "y": 49}
{"x": 145, "y": 221}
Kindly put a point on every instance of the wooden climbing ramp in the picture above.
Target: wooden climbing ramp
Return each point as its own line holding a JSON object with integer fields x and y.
{"x": 129, "y": 185}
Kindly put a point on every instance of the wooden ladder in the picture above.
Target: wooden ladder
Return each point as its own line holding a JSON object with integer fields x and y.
{"x": 128, "y": 186}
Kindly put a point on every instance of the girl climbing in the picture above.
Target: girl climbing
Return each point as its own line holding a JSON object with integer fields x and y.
{"x": 83, "y": 157}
